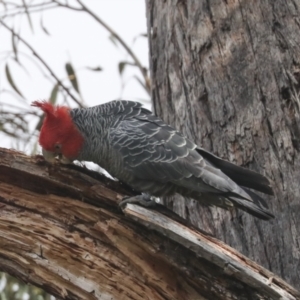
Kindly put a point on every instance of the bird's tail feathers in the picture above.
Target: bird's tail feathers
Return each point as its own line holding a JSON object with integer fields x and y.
{"x": 257, "y": 208}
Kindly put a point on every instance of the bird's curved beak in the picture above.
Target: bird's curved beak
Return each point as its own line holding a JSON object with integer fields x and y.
{"x": 65, "y": 160}
{"x": 49, "y": 156}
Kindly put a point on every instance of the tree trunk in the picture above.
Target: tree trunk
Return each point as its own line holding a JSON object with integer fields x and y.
{"x": 61, "y": 229}
{"x": 226, "y": 73}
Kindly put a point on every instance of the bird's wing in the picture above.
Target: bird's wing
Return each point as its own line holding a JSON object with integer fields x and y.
{"x": 153, "y": 150}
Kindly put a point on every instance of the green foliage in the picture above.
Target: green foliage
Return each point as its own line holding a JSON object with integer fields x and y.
{"x": 53, "y": 95}
{"x": 72, "y": 77}
{"x": 11, "y": 81}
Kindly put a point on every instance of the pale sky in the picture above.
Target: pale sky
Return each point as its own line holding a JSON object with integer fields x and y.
{"x": 76, "y": 37}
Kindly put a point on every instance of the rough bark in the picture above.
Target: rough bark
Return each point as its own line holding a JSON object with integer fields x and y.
{"x": 226, "y": 73}
{"x": 61, "y": 229}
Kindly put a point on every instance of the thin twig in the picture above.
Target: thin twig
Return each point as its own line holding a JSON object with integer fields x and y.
{"x": 121, "y": 41}
{"x": 17, "y": 10}
{"x": 115, "y": 35}
{"x": 44, "y": 63}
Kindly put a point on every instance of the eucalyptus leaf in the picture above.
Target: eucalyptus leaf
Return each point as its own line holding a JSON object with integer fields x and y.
{"x": 28, "y": 15}
{"x": 113, "y": 39}
{"x": 43, "y": 26}
{"x": 11, "y": 81}
{"x": 95, "y": 69}
{"x": 53, "y": 95}
{"x": 122, "y": 65}
{"x": 14, "y": 46}
{"x": 72, "y": 77}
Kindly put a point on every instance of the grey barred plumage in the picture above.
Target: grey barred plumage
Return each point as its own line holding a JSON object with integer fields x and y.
{"x": 141, "y": 150}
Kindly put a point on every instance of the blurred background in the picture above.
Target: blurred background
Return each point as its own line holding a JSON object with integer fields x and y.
{"x": 76, "y": 53}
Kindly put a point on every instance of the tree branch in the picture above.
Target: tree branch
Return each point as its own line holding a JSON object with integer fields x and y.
{"x": 33, "y": 8}
{"x": 43, "y": 62}
{"x": 61, "y": 229}
{"x": 137, "y": 62}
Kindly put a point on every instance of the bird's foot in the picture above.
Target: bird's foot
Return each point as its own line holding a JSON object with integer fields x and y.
{"x": 270, "y": 280}
{"x": 145, "y": 200}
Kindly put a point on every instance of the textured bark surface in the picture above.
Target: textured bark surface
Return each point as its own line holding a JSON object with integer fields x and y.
{"x": 226, "y": 73}
{"x": 61, "y": 229}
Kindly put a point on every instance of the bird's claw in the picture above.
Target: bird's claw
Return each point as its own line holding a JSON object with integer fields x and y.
{"x": 144, "y": 200}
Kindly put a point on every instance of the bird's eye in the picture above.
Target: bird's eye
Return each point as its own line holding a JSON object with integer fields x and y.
{"x": 57, "y": 147}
